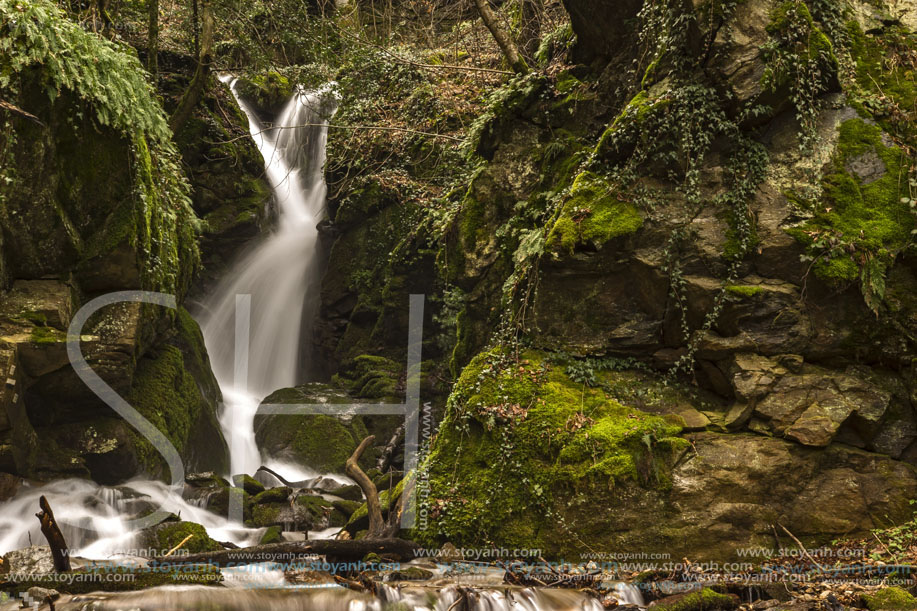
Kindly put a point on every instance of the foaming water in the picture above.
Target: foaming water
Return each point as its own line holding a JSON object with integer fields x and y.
{"x": 335, "y": 598}
{"x": 94, "y": 518}
{"x": 280, "y": 274}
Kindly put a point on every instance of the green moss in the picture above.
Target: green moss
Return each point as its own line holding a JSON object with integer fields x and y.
{"x": 387, "y": 498}
{"x": 592, "y": 215}
{"x": 47, "y": 335}
{"x": 859, "y": 220}
{"x": 887, "y": 85}
{"x": 165, "y": 392}
{"x": 266, "y": 514}
{"x": 272, "y": 495}
{"x": 271, "y": 535}
{"x": 251, "y": 485}
{"x": 704, "y": 600}
{"x": 744, "y": 291}
{"x": 170, "y": 534}
{"x": 890, "y": 599}
{"x": 635, "y": 112}
{"x": 523, "y": 432}
{"x": 268, "y": 90}
{"x": 36, "y": 318}
{"x": 370, "y": 377}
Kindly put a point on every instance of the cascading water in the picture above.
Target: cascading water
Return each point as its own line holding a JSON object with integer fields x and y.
{"x": 280, "y": 275}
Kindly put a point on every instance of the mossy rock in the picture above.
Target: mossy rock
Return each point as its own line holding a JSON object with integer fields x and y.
{"x": 271, "y": 535}
{"x": 862, "y": 223}
{"x": 524, "y": 432}
{"x": 593, "y": 215}
{"x": 251, "y": 485}
{"x": 321, "y": 442}
{"x": 167, "y": 535}
{"x": 704, "y": 600}
{"x": 268, "y": 91}
{"x": 347, "y": 508}
{"x": 371, "y": 377}
{"x": 890, "y": 599}
{"x": 359, "y": 519}
{"x": 272, "y": 495}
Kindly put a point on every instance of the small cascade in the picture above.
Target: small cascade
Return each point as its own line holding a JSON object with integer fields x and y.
{"x": 280, "y": 274}
{"x": 94, "y": 519}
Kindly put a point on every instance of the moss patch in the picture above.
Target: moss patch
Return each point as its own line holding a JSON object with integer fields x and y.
{"x": 890, "y": 599}
{"x": 592, "y": 215}
{"x": 705, "y": 600}
{"x": 168, "y": 535}
{"x": 743, "y": 291}
{"x": 861, "y": 220}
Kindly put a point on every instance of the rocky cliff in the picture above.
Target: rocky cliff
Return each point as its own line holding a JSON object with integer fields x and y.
{"x": 93, "y": 199}
{"x": 680, "y": 272}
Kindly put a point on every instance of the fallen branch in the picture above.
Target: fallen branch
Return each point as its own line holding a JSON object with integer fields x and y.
{"x": 178, "y": 547}
{"x": 342, "y": 550}
{"x": 352, "y": 468}
{"x": 49, "y": 528}
{"x": 15, "y": 109}
{"x": 802, "y": 547}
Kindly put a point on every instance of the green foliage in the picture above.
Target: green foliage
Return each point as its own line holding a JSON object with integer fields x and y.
{"x": 34, "y": 33}
{"x": 41, "y": 50}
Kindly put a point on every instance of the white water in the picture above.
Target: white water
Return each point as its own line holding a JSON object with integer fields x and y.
{"x": 280, "y": 275}
{"x": 93, "y": 517}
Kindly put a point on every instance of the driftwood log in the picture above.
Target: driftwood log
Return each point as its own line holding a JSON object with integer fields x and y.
{"x": 352, "y": 468}
{"x": 334, "y": 550}
{"x": 49, "y": 528}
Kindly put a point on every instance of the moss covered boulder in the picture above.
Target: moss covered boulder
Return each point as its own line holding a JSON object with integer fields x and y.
{"x": 322, "y": 442}
{"x": 163, "y": 537}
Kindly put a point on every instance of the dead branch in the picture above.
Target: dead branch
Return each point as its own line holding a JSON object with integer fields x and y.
{"x": 352, "y": 468}
{"x": 55, "y": 537}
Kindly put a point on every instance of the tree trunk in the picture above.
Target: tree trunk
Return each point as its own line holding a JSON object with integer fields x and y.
{"x": 504, "y": 41}
{"x": 532, "y": 13}
{"x": 347, "y": 551}
{"x": 201, "y": 74}
{"x": 49, "y": 528}
{"x": 376, "y": 525}
{"x": 152, "y": 45}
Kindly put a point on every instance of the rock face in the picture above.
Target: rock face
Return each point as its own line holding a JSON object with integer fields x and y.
{"x": 757, "y": 249}
{"x": 94, "y": 201}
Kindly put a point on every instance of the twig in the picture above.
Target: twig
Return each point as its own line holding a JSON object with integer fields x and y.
{"x": 178, "y": 547}
{"x": 802, "y": 547}
{"x": 15, "y": 109}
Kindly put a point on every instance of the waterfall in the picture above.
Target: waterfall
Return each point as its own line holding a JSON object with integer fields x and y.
{"x": 280, "y": 274}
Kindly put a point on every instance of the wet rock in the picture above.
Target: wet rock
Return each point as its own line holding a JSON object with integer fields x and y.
{"x": 696, "y": 601}
{"x": 30, "y": 560}
{"x": 323, "y": 442}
